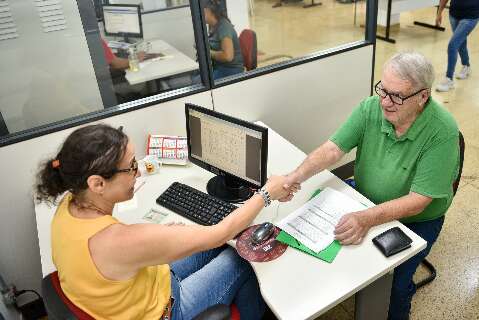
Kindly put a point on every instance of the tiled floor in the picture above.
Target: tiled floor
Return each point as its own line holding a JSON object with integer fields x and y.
{"x": 296, "y": 31}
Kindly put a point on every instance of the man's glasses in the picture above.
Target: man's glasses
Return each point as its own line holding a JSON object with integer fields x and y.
{"x": 395, "y": 98}
{"x": 132, "y": 169}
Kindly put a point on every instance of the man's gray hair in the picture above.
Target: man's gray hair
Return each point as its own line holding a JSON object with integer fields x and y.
{"x": 413, "y": 67}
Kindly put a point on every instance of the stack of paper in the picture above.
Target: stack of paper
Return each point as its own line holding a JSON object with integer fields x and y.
{"x": 313, "y": 224}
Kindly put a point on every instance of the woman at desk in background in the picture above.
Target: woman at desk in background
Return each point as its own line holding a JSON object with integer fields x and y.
{"x": 117, "y": 63}
{"x": 224, "y": 43}
{"x": 139, "y": 271}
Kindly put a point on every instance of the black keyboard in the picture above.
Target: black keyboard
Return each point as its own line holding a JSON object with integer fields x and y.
{"x": 194, "y": 205}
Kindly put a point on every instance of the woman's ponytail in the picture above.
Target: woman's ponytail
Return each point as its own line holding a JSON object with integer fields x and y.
{"x": 50, "y": 183}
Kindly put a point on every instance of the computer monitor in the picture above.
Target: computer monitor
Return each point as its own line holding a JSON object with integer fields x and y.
{"x": 233, "y": 149}
{"x": 123, "y": 20}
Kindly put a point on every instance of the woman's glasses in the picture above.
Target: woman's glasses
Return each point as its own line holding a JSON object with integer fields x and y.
{"x": 132, "y": 169}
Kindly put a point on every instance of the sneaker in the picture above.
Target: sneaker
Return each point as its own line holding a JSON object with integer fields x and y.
{"x": 445, "y": 85}
{"x": 464, "y": 73}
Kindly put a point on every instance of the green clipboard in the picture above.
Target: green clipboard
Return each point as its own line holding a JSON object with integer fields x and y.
{"x": 328, "y": 254}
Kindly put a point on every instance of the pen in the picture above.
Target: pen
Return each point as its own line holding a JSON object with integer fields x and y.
{"x": 138, "y": 188}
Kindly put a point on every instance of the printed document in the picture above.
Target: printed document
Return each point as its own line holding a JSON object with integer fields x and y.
{"x": 313, "y": 224}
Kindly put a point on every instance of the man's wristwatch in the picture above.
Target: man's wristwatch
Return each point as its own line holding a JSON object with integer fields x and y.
{"x": 265, "y": 195}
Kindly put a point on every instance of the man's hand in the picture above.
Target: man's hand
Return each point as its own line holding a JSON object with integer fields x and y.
{"x": 292, "y": 185}
{"x": 351, "y": 228}
{"x": 275, "y": 187}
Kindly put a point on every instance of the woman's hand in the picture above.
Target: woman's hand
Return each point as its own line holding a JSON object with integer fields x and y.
{"x": 141, "y": 56}
{"x": 439, "y": 18}
{"x": 292, "y": 185}
{"x": 275, "y": 187}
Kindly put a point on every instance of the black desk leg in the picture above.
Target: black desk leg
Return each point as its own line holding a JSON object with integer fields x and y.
{"x": 388, "y": 26}
{"x": 373, "y": 301}
{"x": 427, "y": 25}
{"x": 431, "y": 26}
{"x": 313, "y": 4}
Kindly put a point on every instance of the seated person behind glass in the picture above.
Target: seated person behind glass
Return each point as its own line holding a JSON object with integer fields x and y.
{"x": 224, "y": 44}
{"x": 117, "y": 63}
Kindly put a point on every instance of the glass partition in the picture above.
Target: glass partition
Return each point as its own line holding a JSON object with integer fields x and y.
{"x": 67, "y": 61}
{"x": 268, "y": 32}
{"x": 69, "y": 58}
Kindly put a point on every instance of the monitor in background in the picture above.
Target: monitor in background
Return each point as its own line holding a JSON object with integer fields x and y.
{"x": 233, "y": 149}
{"x": 122, "y": 20}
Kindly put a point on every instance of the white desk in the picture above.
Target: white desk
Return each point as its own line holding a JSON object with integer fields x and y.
{"x": 174, "y": 62}
{"x": 296, "y": 285}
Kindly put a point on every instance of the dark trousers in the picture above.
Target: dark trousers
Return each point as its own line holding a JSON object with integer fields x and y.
{"x": 403, "y": 287}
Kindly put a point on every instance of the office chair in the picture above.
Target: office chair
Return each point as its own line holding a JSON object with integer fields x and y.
{"x": 59, "y": 307}
{"x": 249, "y": 49}
{"x": 250, "y": 53}
{"x": 428, "y": 265}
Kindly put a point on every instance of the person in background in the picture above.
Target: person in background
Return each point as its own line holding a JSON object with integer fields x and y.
{"x": 117, "y": 63}
{"x": 407, "y": 160}
{"x": 224, "y": 43}
{"x": 113, "y": 270}
{"x": 463, "y": 16}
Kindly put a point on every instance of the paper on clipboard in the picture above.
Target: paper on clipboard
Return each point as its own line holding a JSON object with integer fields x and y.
{"x": 313, "y": 224}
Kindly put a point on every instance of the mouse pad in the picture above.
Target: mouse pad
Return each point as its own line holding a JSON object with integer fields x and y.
{"x": 266, "y": 251}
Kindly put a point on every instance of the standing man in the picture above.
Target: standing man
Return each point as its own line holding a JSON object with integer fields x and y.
{"x": 406, "y": 162}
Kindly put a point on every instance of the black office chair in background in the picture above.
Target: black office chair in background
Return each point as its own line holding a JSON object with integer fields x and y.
{"x": 428, "y": 265}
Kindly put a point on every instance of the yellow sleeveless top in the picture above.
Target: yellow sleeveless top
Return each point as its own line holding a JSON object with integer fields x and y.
{"x": 144, "y": 296}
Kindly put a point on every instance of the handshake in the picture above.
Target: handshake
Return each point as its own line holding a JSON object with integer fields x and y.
{"x": 283, "y": 188}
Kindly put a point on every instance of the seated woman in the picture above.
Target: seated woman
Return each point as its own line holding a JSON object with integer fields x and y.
{"x": 224, "y": 43}
{"x": 141, "y": 271}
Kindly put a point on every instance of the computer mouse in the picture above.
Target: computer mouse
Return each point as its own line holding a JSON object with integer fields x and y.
{"x": 262, "y": 233}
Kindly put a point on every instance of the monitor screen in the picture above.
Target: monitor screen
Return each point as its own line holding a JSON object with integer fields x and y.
{"x": 227, "y": 146}
{"x": 122, "y": 20}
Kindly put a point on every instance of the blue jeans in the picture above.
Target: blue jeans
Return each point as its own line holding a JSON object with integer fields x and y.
{"x": 403, "y": 287}
{"x": 222, "y": 72}
{"x": 461, "y": 29}
{"x": 217, "y": 276}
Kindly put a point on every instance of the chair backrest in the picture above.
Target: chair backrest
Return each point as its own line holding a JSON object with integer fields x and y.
{"x": 462, "y": 148}
{"x": 57, "y": 303}
{"x": 249, "y": 49}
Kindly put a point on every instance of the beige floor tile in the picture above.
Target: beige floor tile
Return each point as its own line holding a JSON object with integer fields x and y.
{"x": 338, "y": 313}
{"x": 456, "y": 258}
{"x": 475, "y": 184}
{"x": 470, "y": 172}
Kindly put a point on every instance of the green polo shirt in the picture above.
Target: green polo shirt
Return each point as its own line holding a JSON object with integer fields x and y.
{"x": 424, "y": 160}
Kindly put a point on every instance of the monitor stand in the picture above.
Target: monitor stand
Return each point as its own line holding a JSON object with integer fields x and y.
{"x": 229, "y": 189}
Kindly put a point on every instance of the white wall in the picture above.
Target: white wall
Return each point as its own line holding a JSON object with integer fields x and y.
{"x": 398, "y": 6}
{"x": 305, "y": 104}
{"x": 173, "y": 26}
{"x": 238, "y": 13}
{"x": 19, "y": 251}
